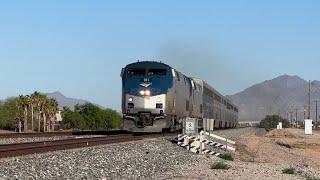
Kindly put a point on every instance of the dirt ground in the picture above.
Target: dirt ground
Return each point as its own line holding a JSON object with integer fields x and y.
{"x": 5, "y": 131}
{"x": 286, "y": 147}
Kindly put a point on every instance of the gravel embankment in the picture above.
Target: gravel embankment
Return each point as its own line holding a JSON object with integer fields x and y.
{"x": 38, "y": 139}
{"x": 139, "y": 160}
{"x": 33, "y": 139}
{"x": 153, "y": 159}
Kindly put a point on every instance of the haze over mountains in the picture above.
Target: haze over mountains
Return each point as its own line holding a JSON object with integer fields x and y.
{"x": 66, "y": 101}
{"x": 281, "y": 95}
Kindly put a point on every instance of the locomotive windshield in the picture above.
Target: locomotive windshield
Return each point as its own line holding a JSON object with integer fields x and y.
{"x": 156, "y": 77}
{"x": 136, "y": 72}
{"x": 157, "y": 72}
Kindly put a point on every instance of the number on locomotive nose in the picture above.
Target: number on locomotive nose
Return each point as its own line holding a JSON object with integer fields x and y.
{"x": 146, "y": 80}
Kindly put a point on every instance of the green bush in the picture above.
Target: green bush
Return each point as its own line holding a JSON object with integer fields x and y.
{"x": 227, "y": 157}
{"x": 289, "y": 171}
{"x": 91, "y": 117}
{"x": 113, "y": 118}
{"x": 8, "y": 113}
{"x": 271, "y": 121}
{"x": 219, "y": 165}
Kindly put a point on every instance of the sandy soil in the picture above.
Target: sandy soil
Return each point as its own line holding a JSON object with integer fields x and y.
{"x": 5, "y": 131}
{"x": 286, "y": 146}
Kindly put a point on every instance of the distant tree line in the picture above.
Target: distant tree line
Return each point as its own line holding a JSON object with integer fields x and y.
{"x": 37, "y": 112}
{"x": 91, "y": 117}
{"x": 271, "y": 122}
{"x": 28, "y": 112}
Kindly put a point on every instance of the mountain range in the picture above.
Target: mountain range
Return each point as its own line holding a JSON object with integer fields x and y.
{"x": 66, "y": 101}
{"x": 285, "y": 95}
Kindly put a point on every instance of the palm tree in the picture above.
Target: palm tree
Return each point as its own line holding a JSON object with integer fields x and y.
{"x": 23, "y": 102}
{"x": 39, "y": 100}
{"x": 19, "y": 115}
{"x": 33, "y": 103}
{"x": 50, "y": 110}
{"x": 36, "y": 103}
{"x": 54, "y": 111}
{"x": 42, "y": 108}
{"x": 36, "y": 100}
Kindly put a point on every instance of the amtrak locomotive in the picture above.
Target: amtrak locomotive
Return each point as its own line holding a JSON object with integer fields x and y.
{"x": 157, "y": 97}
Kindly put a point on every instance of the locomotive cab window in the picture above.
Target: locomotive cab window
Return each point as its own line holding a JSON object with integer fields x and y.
{"x": 136, "y": 72}
{"x": 157, "y": 72}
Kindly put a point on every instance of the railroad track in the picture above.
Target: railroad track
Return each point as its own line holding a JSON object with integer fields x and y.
{"x": 30, "y": 135}
{"x": 69, "y": 133}
{"x": 20, "y": 149}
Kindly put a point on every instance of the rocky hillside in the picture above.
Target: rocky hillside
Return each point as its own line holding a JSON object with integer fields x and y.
{"x": 66, "y": 101}
{"x": 283, "y": 95}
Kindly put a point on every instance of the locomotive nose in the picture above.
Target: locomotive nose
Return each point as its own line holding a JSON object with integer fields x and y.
{"x": 146, "y": 103}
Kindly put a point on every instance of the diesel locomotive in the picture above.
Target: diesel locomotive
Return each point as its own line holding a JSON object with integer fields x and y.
{"x": 157, "y": 97}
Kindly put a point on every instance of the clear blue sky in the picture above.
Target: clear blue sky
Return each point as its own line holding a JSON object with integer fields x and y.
{"x": 79, "y": 47}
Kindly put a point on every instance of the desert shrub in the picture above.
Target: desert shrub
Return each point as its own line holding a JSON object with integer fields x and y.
{"x": 271, "y": 121}
{"x": 290, "y": 170}
{"x": 227, "y": 157}
{"x": 284, "y": 144}
{"x": 219, "y": 165}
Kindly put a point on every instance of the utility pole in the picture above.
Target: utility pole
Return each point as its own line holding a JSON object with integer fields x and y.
{"x": 309, "y": 101}
{"x": 316, "y": 101}
{"x": 316, "y": 124}
{"x": 296, "y": 117}
{"x": 304, "y": 112}
{"x": 291, "y": 118}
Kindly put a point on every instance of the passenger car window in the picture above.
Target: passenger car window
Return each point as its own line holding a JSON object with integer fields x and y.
{"x": 136, "y": 72}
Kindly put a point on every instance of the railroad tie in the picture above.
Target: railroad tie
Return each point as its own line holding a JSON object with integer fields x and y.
{"x": 196, "y": 149}
{"x": 206, "y": 151}
{"x": 215, "y": 144}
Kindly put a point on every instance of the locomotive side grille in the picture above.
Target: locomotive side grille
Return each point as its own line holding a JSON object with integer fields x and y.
{"x": 159, "y": 105}
{"x": 130, "y": 105}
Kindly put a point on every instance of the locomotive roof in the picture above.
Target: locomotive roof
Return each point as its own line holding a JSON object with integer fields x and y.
{"x": 151, "y": 63}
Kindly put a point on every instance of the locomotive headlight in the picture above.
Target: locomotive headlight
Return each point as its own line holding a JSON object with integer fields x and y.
{"x": 158, "y": 99}
{"x": 147, "y": 93}
{"x": 130, "y": 99}
{"x": 142, "y": 93}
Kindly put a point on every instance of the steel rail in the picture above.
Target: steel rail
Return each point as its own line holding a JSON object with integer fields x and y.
{"x": 20, "y": 149}
{"x": 61, "y": 133}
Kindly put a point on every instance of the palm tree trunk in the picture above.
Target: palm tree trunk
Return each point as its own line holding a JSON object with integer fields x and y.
{"x": 25, "y": 128}
{"x": 48, "y": 126}
{"x": 19, "y": 126}
{"x": 52, "y": 124}
{"x": 32, "y": 127}
{"x": 39, "y": 122}
{"x": 44, "y": 122}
